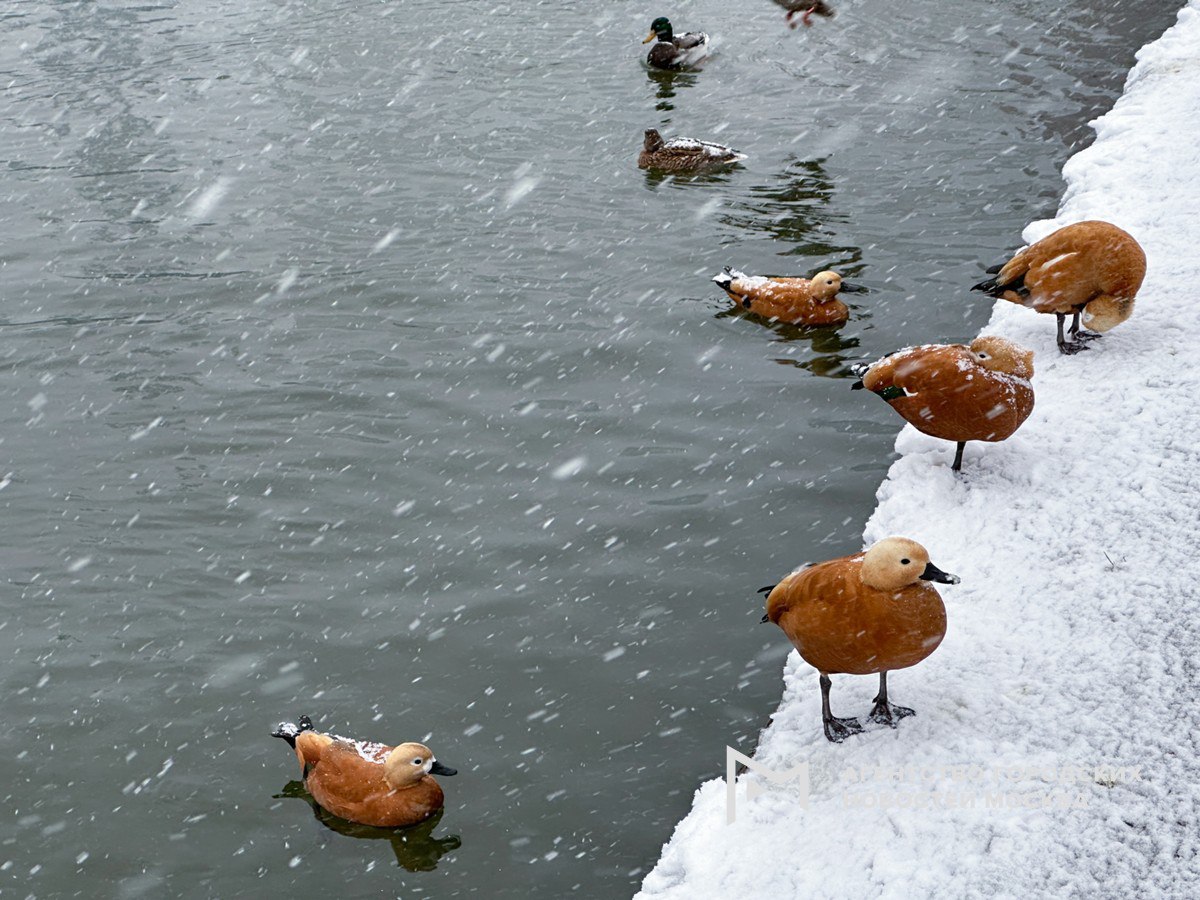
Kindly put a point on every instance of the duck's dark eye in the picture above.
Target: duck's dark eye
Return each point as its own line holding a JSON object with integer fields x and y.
{"x": 905, "y": 562}
{"x": 418, "y": 761}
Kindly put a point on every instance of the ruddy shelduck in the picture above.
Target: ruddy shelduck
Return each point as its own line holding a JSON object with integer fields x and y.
{"x": 797, "y": 301}
{"x": 957, "y": 392}
{"x": 1092, "y": 268}
{"x": 862, "y": 614}
{"x": 365, "y": 782}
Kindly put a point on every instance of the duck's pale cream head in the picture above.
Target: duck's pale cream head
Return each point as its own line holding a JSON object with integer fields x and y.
{"x": 1107, "y": 312}
{"x": 825, "y": 285}
{"x": 896, "y": 562}
{"x": 409, "y": 763}
{"x": 1002, "y": 355}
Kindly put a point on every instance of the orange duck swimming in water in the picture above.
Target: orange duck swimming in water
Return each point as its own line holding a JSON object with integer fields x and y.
{"x": 1093, "y": 269}
{"x": 798, "y": 301}
{"x": 364, "y": 782}
{"x": 861, "y": 614}
{"x": 957, "y": 392}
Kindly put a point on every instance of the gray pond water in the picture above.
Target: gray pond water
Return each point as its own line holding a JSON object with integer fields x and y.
{"x": 350, "y": 367}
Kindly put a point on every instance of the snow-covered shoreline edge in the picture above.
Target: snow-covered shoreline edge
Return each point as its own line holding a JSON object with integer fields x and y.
{"x": 1055, "y": 749}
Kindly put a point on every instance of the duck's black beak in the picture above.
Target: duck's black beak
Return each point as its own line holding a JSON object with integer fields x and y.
{"x": 438, "y": 769}
{"x": 933, "y": 573}
{"x": 851, "y": 288}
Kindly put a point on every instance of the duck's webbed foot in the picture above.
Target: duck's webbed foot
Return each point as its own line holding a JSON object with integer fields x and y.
{"x": 1069, "y": 348}
{"x": 884, "y": 713}
{"x": 837, "y": 730}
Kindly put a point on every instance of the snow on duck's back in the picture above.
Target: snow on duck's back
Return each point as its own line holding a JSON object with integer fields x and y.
{"x": 684, "y": 154}
{"x": 798, "y": 301}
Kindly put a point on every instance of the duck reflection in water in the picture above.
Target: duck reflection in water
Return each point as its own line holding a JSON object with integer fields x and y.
{"x": 415, "y": 847}
{"x": 667, "y": 82}
{"x": 796, "y": 207}
{"x": 834, "y": 353}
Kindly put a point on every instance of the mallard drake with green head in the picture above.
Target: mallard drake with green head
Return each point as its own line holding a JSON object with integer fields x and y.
{"x": 671, "y": 51}
{"x": 684, "y": 154}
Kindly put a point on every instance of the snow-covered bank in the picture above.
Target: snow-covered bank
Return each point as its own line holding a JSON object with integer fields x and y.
{"x": 1056, "y": 743}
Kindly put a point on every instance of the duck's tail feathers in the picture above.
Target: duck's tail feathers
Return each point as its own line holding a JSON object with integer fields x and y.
{"x": 995, "y": 288}
{"x": 726, "y": 278}
{"x": 859, "y": 369}
{"x": 288, "y": 731}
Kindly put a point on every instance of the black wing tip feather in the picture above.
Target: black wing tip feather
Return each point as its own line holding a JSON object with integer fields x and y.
{"x": 288, "y": 732}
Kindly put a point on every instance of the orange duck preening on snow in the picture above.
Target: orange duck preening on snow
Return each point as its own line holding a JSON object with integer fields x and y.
{"x": 798, "y": 301}
{"x": 364, "y": 782}
{"x": 861, "y": 614}
{"x": 957, "y": 392}
{"x": 1093, "y": 269}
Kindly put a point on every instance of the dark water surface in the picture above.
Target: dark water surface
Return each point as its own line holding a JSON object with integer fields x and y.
{"x": 350, "y": 367}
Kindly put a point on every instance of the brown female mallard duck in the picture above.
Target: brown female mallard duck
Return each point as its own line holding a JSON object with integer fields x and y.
{"x": 684, "y": 154}
{"x": 674, "y": 52}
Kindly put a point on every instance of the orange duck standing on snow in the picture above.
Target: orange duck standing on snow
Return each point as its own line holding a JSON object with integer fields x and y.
{"x": 957, "y": 392}
{"x": 1093, "y": 269}
{"x": 861, "y": 614}
{"x": 797, "y": 301}
{"x": 364, "y": 782}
